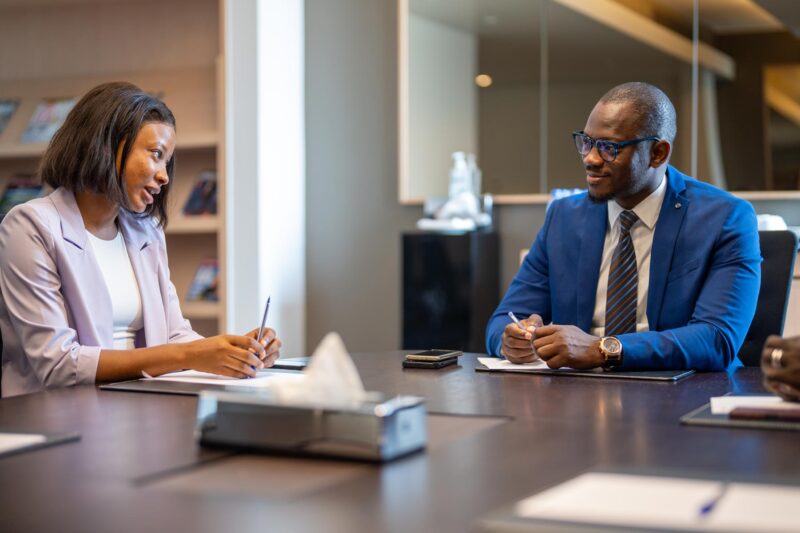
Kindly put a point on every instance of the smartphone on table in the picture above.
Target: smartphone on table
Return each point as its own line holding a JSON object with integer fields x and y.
{"x": 431, "y": 359}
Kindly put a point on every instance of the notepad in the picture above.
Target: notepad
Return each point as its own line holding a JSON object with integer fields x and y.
{"x": 205, "y": 378}
{"x": 15, "y": 441}
{"x": 666, "y": 503}
{"x": 493, "y": 363}
{"x": 723, "y": 405}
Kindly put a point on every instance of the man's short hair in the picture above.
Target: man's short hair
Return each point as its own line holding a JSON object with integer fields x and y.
{"x": 655, "y": 112}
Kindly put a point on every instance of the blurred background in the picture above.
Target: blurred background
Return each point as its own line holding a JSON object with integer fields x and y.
{"x": 324, "y": 124}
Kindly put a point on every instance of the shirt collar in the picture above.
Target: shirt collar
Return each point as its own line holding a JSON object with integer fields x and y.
{"x": 647, "y": 210}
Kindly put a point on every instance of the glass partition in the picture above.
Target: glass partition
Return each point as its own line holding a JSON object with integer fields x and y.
{"x": 509, "y": 80}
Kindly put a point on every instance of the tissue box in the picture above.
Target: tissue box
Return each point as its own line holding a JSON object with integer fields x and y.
{"x": 375, "y": 430}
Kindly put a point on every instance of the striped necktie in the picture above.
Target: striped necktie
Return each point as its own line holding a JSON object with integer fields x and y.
{"x": 623, "y": 281}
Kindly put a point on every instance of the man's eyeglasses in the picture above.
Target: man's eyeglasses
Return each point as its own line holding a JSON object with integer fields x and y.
{"x": 608, "y": 150}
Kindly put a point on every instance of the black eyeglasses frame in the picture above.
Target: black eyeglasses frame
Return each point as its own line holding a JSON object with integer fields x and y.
{"x": 617, "y": 146}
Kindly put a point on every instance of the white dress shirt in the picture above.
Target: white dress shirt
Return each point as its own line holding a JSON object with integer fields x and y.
{"x": 642, "y": 235}
{"x": 126, "y": 302}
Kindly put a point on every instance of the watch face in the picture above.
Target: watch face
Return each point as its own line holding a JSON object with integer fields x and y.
{"x": 612, "y": 345}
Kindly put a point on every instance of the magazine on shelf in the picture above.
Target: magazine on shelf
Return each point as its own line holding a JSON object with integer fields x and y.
{"x": 204, "y": 283}
{"x": 203, "y": 198}
{"x": 20, "y": 189}
{"x": 47, "y": 118}
{"x": 7, "y": 108}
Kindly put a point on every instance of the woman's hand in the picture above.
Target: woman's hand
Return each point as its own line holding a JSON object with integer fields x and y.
{"x": 235, "y": 356}
{"x": 270, "y": 343}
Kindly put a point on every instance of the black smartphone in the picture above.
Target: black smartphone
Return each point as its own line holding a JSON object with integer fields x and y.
{"x": 429, "y": 364}
{"x": 433, "y": 355}
{"x": 293, "y": 363}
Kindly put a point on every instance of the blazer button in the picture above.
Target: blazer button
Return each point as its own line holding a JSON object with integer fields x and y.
{"x": 677, "y": 205}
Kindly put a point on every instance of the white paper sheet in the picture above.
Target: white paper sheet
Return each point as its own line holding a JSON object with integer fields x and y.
{"x": 204, "y": 378}
{"x": 722, "y": 405}
{"x": 13, "y": 441}
{"x": 494, "y": 363}
{"x": 666, "y": 503}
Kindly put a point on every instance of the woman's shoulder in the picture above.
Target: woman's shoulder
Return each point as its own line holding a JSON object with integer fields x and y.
{"x": 36, "y": 212}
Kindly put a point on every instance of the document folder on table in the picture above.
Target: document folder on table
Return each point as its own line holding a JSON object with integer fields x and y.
{"x": 492, "y": 364}
{"x": 702, "y": 416}
{"x": 14, "y": 442}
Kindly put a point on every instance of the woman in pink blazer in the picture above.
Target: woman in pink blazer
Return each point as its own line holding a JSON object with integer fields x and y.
{"x": 110, "y": 165}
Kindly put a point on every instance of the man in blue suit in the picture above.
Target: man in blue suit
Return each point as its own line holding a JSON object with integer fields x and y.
{"x": 648, "y": 269}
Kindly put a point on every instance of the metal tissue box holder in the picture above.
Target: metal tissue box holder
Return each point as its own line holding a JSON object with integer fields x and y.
{"x": 376, "y": 429}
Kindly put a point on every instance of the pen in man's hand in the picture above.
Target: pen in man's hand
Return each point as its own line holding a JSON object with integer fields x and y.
{"x": 513, "y": 317}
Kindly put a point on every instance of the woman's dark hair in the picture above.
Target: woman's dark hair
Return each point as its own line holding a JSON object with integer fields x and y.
{"x": 82, "y": 154}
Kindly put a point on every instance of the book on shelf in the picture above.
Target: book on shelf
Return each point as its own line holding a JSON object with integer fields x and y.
{"x": 7, "y": 108}
{"x": 47, "y": 118}
{"x": 205, "y": 282}
{"x": 203, "y": 198}
{"x": 20, "y": 189}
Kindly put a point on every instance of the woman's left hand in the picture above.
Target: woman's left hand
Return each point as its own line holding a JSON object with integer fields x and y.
{"x": 271, "y": 344}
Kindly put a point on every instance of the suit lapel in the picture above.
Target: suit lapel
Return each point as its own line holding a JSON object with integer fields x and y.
{"x": 668, "y": 227}
{"x": 82, "y": 261}
{"x": 145, "y": 266}
{"x": 591, "y": 251}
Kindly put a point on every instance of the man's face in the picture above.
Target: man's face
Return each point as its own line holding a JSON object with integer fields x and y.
{"x": 627, "y": 176}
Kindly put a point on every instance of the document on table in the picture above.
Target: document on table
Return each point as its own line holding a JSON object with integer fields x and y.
{"x": 205, "y": 378}
{"x": 15, "y": 441}
{"x": 493, "y": 363}
{"x": 723, "y": 405}
{"x": 666, "y": 503}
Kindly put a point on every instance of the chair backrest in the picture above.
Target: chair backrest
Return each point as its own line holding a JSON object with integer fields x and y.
{"x": 778, "y": 250}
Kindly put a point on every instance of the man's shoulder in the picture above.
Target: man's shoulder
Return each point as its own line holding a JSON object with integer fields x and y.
{"x": 700, "y": 190}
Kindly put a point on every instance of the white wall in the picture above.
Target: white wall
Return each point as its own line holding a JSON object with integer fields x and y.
{"x": 265, "y": 166}
{"x": 443, "y": 102}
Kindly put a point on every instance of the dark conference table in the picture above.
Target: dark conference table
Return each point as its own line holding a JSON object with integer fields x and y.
{"x": 137, "y": 466}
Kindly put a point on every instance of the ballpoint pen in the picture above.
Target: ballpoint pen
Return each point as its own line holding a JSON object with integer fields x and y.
{"x": 263, "y": 321}
{"x": 513, "y": 317}
{"x": 709, "y": 506}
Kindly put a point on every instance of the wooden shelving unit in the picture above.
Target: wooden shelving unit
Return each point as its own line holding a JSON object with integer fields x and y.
{"x": 188, "y": 77}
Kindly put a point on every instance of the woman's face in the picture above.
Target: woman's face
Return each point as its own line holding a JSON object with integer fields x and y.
{"x": 146, "y": 167}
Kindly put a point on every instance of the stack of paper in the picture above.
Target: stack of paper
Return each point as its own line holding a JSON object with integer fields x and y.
{"x": 619, "y": 500}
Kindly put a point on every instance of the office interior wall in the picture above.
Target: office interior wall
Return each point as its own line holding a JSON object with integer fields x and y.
{"x": 265, "y": 141}
{"x": 443, "y": 102}
{"x": 353, "y": 218}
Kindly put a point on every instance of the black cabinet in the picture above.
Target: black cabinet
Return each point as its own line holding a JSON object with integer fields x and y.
{"x": 450, "y": 289}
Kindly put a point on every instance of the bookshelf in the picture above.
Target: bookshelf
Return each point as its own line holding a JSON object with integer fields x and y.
{"x": 186, "y": 69}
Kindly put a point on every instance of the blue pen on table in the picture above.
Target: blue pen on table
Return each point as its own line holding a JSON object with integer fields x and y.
{"x": 263, "y": 322}
{"x": 709, "y": 506}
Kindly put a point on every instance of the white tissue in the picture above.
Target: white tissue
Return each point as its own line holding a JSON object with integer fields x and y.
{"x": 329, "y": 379}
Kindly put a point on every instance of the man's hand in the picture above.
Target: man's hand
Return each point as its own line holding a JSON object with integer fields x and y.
{"x": 783, "y": 380}
{"x": 517, "y": 343}
{"x": 568, "y": 346}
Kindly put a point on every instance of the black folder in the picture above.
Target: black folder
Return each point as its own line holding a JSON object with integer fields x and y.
{"x": 650, "y": 375}
{"x": 50, "y": 439}
{"x": 702, "y": 416}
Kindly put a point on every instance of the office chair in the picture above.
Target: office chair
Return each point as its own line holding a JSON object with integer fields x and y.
{"x": 778, "y": 250}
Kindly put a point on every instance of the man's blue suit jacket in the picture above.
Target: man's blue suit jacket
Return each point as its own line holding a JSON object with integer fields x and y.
{"x": 704, "y": 276}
